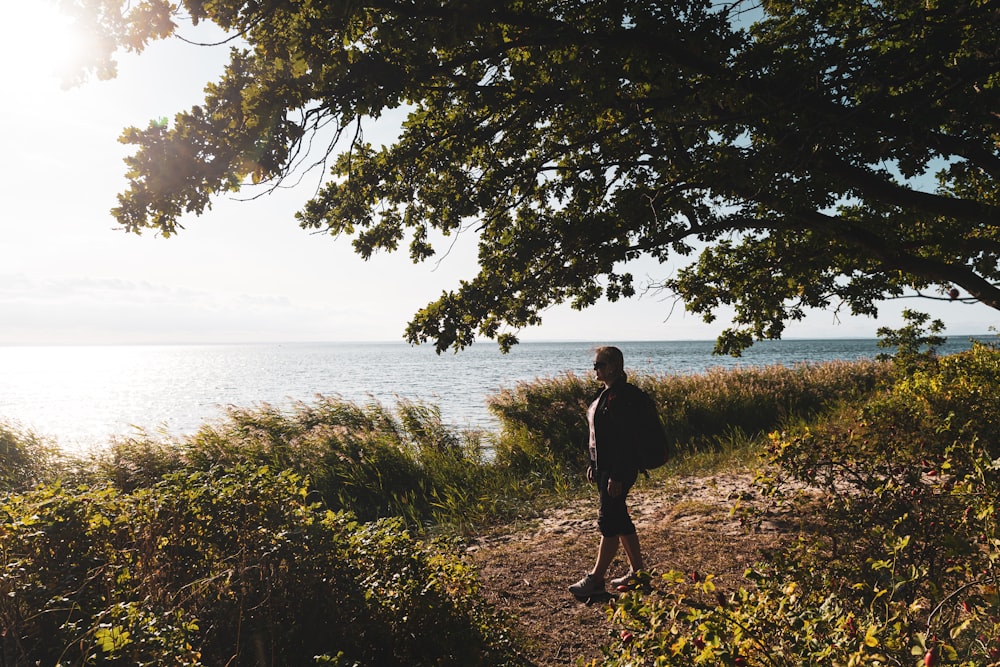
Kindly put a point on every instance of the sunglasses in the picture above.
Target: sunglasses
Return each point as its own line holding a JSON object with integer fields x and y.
{"x": 599, "y": 365}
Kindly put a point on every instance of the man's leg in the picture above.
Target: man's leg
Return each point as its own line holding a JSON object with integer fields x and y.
{"x": 632, "y": 551}
{"x": 606, "y": 552}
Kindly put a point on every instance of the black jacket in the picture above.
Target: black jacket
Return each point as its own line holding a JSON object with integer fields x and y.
{"x": 616, "y": 422}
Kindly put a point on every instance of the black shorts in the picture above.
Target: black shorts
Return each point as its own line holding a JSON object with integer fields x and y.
{"x": 613, "y": 518}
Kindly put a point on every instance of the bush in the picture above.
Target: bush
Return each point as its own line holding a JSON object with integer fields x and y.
{"x": 910, "y": 341}
{"x": 902, "y": 563}
{"x": 229, "y": 567}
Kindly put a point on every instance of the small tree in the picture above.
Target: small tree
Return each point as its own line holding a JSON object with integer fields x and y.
{"x": 909, "y": 339}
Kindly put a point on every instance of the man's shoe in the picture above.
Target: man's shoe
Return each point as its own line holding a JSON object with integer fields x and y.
{"x": 589, "y": 585}
{"x": 633, "y": 581}
{"x": 625, "y": 582}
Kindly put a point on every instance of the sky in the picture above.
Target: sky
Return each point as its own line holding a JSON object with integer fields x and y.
{"x": 244, "y": 271}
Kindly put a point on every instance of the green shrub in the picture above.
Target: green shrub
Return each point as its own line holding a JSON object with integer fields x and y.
{"x": 229, "y": 567}
{"x": 915, "y": 343}
{"x": 956, "y": 398}
{"x": 901, "y": 565}
{"x": 775, "y": 623}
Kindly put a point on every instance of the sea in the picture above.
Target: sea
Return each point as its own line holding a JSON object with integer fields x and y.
{"x": 82, "y": 397}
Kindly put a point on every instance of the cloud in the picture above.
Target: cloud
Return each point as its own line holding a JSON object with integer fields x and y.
{"x": 109, "y": 310}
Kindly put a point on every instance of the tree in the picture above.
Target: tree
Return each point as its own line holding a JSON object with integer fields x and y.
{"x": 908, "y": 341}
{"x": 808, "y": 154}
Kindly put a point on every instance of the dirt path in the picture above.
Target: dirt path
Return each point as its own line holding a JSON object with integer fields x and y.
{"x": 684, "y": 524}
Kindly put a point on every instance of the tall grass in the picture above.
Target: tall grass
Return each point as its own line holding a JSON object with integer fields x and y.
{"x": 376, "y": 461}
{"x": 366, "y": 459}
{"x": 26, "y": 458}
{"x": 543, "y": 423}
{"x": 698, "y": 409}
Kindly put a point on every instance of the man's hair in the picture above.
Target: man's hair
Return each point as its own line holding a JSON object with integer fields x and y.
{"x": 613, "y": 355}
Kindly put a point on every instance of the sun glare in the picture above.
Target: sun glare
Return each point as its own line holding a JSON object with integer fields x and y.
{"x": 38, "y": 44}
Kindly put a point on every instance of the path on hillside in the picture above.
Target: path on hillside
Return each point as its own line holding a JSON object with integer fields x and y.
{"x": 684, "y": 524}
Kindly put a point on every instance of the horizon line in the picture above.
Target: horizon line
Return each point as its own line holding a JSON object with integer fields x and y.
{"x": 429, "y": 344}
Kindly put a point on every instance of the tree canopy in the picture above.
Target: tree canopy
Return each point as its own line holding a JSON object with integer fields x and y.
{"x": 801, "y": 154}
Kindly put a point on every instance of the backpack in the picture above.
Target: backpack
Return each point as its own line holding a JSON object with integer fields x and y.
{"x": 654, "y": 447}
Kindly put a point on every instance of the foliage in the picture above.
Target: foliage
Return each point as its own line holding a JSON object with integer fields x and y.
{"x": 793, "y": 145}
{"x": 544, "y": 427}
{"x": 353, "y": 454}
{"x": 25, "y": 458}
{"x": 364, "y": 459}
{"x": 132, "y": 462}
{"x": 900, "y": 560}
{"x": 229, "y": 567}
{"x": 909, "y": 341}
{"x": 375, "y": 462}
{"x": 207, "y": 550}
